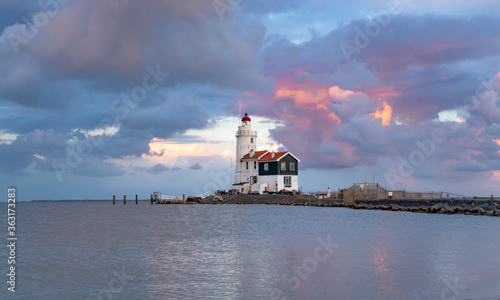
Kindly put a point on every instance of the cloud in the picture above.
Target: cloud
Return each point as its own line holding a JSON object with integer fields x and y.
{"x": 336, "y": 93}
{"x": 414, "y": 56}
{"x": 384, "y": 113}
{"x": 196, "y": 166}
{"x": 21, "y": 152}
{"x": 157, "y": 169}
{"x": 82, "y": 67}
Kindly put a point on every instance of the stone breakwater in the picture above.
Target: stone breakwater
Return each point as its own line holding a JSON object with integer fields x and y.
{"x": 466, "y": 207}
{"x": 438, "y": 206}
{"x": 449, "y": 207}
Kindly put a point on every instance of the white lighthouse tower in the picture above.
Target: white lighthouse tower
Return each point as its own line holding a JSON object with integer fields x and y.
{"x": 246, "y": 141}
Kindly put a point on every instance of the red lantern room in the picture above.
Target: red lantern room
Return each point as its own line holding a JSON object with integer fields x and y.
{"x": 246, "y": 120}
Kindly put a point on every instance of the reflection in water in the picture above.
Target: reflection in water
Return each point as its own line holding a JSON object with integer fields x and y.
{"x": 73, "y": 250}
{"x": 383, "y": 276}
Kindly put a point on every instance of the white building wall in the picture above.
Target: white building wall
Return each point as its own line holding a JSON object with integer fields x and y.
{"x": 271, "y": 181}
{"x": 247, "y": 174}
{"x": 246, "y": 140}
{"x": 260, "y": 187}
{"x": 295, "y": 182}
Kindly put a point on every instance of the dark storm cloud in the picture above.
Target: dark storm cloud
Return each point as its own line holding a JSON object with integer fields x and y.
{"x": 12, "y": 12}
{"x": 113, "y": 42}
{"x": 157, "y": 169}
{"x": 21, "y": 152}
{"x": 69, "y": 75}
{"x": 175, "y": 115}
{"x": 196, "y": 167}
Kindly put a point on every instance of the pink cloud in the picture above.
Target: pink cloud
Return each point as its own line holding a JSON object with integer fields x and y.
{"x": 384, "y": 113}
{"x": 339, "y": 94}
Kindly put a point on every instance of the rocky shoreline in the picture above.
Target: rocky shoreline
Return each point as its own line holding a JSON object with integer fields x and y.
{"x": 449, "y": 207}
{"x": 440, "y": 206}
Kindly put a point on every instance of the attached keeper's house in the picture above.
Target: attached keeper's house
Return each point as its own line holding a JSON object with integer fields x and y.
{"x": 262, "y": 171}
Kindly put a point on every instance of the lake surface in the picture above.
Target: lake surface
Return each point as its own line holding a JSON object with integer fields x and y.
{"x": 94, "y": 250}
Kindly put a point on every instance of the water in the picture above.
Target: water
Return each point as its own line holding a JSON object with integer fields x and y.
{"x": 94, "y": 250}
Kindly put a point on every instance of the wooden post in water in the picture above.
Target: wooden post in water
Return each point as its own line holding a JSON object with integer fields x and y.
{"x": 136, "y": 201}
{"x": 124, "y": 199}
{"x": 151, "y": 200}
{"x": 114, "y": 199}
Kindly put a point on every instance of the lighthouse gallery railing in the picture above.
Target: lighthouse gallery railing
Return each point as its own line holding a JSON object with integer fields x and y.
{"x": 246, "y": 132}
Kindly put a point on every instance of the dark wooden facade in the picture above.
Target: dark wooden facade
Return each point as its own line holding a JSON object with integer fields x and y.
{"x": 275, "y": 166}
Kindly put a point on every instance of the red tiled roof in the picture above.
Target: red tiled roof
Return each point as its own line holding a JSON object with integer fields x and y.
{"x": 256, "y": 155}
{"x": 277, "y": 155}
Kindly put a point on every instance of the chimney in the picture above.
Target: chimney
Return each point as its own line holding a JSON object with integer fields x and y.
{"x": 252, "y": 153}
{"x": 272, "y": 155}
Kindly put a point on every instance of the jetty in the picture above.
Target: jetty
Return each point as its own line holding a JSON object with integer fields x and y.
{"x": 476, "y": 206}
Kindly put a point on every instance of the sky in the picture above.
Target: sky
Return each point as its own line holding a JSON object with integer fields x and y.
{"x": 130, "y": 97}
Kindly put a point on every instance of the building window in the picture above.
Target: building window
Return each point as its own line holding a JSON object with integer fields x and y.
{"x": 266, "y": 167}
{"x": 251, "y": 140}
{"x": 283, "y": 166}
{"x": 247, "y": 165}
{"x": 255, "y": 165}
{"x": 292, "y": 166}
{"x": 287, "y": 180}
{"x": 254, "y": 179}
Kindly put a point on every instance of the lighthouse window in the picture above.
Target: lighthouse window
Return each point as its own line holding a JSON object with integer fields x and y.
{"x": 251, "y": 140}
{"x": 247, "y": 165}
{"x": 255, "y": 165}
{"x": 283, "y": 166}
{"x": 287, "y": 180}
{"x": 292, "y": 166}
{"x": 266, "y": 167}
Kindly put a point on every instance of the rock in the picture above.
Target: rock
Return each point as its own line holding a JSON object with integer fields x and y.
{"x": 394, "y": 207}
{"x": 436, "y": 208}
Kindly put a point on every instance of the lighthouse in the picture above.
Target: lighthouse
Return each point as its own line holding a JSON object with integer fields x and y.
{"x": 264, "y": 171}
{"x": 246, "y": 140}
